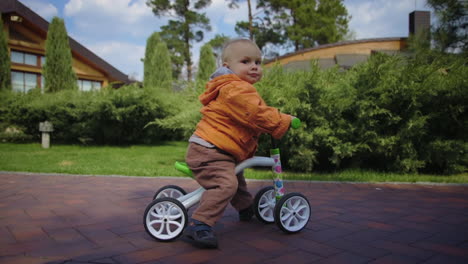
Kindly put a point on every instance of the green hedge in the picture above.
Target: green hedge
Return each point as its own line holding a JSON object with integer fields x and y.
{"x": 391, "y": 113}
{"x": 106, "y": 117}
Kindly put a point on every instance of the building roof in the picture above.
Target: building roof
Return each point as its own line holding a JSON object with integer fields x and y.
{"x": 343, "y": 43}
{"x": 14, "y": 6}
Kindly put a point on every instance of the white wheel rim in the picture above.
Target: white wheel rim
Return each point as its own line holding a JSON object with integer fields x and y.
{"x": 170, "y": 192}
{"x": 165, "y": 220}
{"x": 294, "y": 213}
{"x": 266, "y": 206}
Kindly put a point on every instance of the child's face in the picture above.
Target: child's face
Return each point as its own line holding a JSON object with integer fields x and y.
{"x": 245, "y": 59}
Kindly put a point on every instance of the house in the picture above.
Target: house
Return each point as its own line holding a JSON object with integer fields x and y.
{"x": 26, "y": 33}
{"x": 348, "y": 53}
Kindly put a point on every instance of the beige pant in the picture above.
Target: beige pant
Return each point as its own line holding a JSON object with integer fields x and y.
{"x": 214, "y": 170}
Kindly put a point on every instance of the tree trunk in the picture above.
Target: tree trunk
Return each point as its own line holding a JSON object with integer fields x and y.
{"x": 188, "y": 60}
{"x": 250, "y": 21}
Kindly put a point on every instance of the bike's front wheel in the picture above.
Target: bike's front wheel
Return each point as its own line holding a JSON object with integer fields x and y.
{"x": 264, "y": 205}
{"x": 292, "y": 212}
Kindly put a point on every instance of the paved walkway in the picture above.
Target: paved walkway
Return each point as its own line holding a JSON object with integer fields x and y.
{"x": 85, "y": 219}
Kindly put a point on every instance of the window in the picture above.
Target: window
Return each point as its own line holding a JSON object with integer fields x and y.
{"x": 30, "y": 59}
{"x": 24, "y": 81}
{"x": 17, "y": 57}
{"x": 97, "y": 85}
{"x": 88, "y": 85}
{"x": 27, "y": 58}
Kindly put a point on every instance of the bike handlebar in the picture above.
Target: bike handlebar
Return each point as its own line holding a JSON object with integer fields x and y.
{"x": 295, "y": 123}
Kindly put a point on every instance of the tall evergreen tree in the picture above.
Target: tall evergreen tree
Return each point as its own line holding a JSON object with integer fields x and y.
{"x": 451, "y": 32}
{"x": 58, "y": 70}
{"x": 248, "y": 26}
{"x": 5, "y": 64}
{"x": 206, "y": 64}
{"x": 308, "y": 23}
{"x": 148, "y": 65}
{"x": 217, "y": 44}
{"x": 181, "y": 32}
{"x": 264, "y": 32}
{"x": 161, "y": 71}
{"x": 258, "y": 28}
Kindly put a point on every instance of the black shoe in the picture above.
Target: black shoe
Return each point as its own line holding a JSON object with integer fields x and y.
{"x": 200, "y": 234}
{"x": 246, "y": 214}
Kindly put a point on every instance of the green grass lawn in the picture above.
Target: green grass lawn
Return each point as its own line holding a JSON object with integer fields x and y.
{"x": 159, "y": 161}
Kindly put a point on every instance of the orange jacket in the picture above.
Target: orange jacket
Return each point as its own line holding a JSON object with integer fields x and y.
{"x": 234, "y": 115}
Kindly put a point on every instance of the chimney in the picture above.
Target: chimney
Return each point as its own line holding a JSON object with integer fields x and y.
{"x": 419, "y": 21}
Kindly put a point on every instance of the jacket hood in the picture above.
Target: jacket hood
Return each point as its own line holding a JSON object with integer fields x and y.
{"x": 221, "y": 76}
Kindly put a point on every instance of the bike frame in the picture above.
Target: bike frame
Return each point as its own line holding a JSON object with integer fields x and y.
{"x": 277, "y": 174}
{"x": 194, "y": 197}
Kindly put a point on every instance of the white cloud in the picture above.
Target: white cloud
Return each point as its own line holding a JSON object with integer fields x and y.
{"x": 45, "y": 10}
{"x": 113, "y": 17}
{"x": 381, "y": 18}
{"x": 122, "y": 55}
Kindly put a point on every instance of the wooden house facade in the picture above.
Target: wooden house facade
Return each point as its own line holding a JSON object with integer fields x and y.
{"x": 26, "y": 33}
{"x": 348, "y": 53}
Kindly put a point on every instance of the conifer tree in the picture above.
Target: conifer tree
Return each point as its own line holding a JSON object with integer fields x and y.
{"x": 148, "y": 67}
{"x": 451, "y": 31}
{"x": 58, "y": 71}
{"x": 5, "y": 64}
{"x": 181, "y": 29}
{"x": 161, "y": 68}
{"x": 207, "y": 63}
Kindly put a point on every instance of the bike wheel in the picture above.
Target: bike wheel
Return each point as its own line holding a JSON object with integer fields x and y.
{"x": 172, "y": 191}
{"x": 264, "y": 205}
{"x": 292, "y": 212}
{"x": 165, "y": 219}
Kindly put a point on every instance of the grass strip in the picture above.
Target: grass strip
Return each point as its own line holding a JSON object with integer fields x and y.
{"x": 159, "y": 161}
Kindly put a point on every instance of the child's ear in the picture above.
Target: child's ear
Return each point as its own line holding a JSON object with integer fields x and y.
{"x": 225, "y": 64}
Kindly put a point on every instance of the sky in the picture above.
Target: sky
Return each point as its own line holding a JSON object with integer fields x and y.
{"x": 117, "y": 30}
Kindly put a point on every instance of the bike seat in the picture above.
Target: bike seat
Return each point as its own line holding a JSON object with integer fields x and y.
{"x": 183, "y": 167}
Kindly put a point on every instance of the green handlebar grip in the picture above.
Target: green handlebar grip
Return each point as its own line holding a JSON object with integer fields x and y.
{"x": 295, "y": 123}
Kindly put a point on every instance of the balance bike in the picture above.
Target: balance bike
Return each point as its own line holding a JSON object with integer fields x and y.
{"x": 166, "y": 216}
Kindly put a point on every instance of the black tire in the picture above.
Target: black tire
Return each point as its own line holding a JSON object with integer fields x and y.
{"x": 166, "y": 188}
{"x": 165, "y": 206}
{"x": 294, "y": 219}
{"x": 261, "y": 198}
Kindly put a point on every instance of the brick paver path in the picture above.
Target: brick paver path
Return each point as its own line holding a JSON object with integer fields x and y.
{"x": 85, "y": 219}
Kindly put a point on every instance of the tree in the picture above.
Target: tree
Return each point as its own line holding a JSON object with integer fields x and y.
{"x": 308, "y": 23}
{"x": 58, "y": 71}
{"x": 206, "y": 64}
{"x": 217, "y": 44}
{"x": 264, "y": 32}
{"x": 249, "y": 25}
{"x": 179, "y": 33}
{"x": 5, "y": 64}
{"x": 148, "y": 63}
{"x": 259, "y": 29}
{"x": 451, "y": 33}
{"x": 159, "y": 75}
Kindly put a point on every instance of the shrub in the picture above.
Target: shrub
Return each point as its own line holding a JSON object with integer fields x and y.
{"x": 100, "y": 117}
{"x": 395, "y": 113}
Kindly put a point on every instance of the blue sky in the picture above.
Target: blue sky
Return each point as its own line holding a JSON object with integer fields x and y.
{"x": 116, "y": 30}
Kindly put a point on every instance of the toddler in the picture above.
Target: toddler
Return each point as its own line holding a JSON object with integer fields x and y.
{"x": 233, "y": 117}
